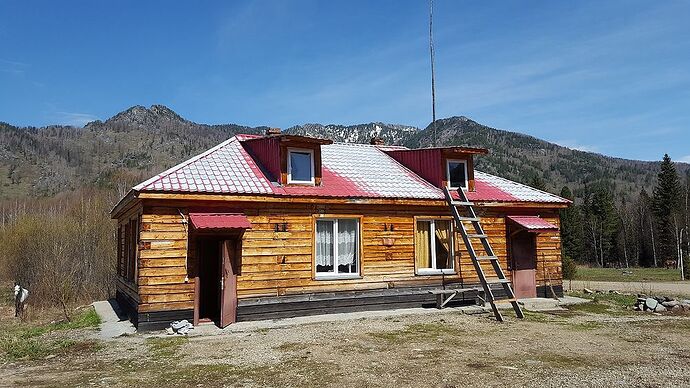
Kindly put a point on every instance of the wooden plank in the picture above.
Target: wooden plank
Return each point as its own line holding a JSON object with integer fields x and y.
{"x": 158, "y": 280}
{"x": 161, "y": 262}
{"x": 147, "y": 307}
{"x": 162, "y": 253}
{"x": 162, "y": 271}
{"x": 168, "y": 288}
{"x": 163, "y": 236}
{"x": 167, "y": 297}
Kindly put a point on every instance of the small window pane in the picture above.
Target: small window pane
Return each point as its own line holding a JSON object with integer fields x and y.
{"x": 422, "y": 240}
{"x": 347, "y": 246}
{"x": 443, "y": 245}
{"x": 300, "y": 166}
{"x": 456, "y": 174}
{"x": 324, "y": 246}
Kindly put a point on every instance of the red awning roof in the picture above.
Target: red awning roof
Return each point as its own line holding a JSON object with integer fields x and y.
{"x": 534, "y": 223}
{"x": 220, "y": 221}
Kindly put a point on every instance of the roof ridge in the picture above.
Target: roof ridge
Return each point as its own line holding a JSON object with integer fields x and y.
{"x": 179, "y": 166}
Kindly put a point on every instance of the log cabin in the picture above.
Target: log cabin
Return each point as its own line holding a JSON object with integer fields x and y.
{"x": 274, "y": 226}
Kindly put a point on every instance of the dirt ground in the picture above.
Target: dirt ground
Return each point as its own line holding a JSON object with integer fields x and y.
{"x": 594, "y": 345}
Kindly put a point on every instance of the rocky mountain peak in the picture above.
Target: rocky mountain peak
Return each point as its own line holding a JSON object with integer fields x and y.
{"x": 140, "y": 116}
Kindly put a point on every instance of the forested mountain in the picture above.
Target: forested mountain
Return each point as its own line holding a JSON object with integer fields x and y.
{"x": 124, "y": 149}
{"x": 140, "y": 142}
{"x": 361, "y": 133}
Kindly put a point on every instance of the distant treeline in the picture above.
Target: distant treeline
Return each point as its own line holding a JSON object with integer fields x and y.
{"x": 649, "y": 230}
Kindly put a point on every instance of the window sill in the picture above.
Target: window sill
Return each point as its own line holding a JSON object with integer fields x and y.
{"x": 301, "y": 183}
{"x": 424, "y": 272}
{"x": 337, "y": 276}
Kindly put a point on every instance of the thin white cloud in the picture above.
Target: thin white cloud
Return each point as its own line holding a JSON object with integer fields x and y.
{"x": 75, "y": 119}
{"x": 13, "y": 67}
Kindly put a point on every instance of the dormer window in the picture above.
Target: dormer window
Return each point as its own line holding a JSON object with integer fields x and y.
{"x": 300, "y": 166}
{"x": 456, "y": 171}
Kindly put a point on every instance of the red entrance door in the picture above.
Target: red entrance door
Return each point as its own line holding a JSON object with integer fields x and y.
{"x": 523, "y": 247}
{"x": 228, "y": 283}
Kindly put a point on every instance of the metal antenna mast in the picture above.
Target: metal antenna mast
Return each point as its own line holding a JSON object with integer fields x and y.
{"x": 433, "y": 79}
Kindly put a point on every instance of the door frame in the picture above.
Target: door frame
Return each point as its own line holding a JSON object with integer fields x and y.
{"x": 511, "y": 259}
{"x": 220, "y": 236}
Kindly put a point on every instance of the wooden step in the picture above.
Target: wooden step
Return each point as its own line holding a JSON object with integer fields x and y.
{"x": 468, "y": 219}
{"x": 487, "y": 258}
{"x": 477, "y": 235}
{"x": 461, "y": 203}
{"x": 498, "y": 281}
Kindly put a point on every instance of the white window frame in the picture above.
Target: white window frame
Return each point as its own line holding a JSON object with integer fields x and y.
{"x": 335, "y": 274}
{"x": 289, "y": 165}
{"x": 467, "y": 177}
{"x": 432, "y": 243}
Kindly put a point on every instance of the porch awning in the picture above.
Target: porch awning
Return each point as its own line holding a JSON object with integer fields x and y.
{"x": 534, "y": 223}
{"x": 220, "y": 221}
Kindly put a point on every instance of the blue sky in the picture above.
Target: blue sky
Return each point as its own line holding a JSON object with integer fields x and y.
{"x": 611, "y": 77}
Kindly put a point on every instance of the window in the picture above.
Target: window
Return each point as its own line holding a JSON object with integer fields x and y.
{"x": 128, "y": 246}
{"x": 434, "y": 247}
{"x": 457, "y": 174}
{"x": 337, "y": 247}
{"x": 301, "y": 166}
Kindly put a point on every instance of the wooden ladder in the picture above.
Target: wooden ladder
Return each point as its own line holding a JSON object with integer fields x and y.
{"x": 476, "y": 260}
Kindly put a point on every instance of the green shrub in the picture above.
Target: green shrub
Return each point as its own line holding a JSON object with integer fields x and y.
{"x": 569, "y": 268}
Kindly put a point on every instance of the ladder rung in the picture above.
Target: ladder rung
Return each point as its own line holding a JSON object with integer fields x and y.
{"x": 482, "y": 258}
{"x": 477, "y": 236}
{"x": 469, "y": 219}
{"x": 462, "y": 203}
{"x": 498, "y": 281}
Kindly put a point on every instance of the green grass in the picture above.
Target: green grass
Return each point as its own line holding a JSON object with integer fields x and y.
{"x": 426, "y": 331}
{"x": 627, "y": 275}
{"x": 607, "y": 304}
{"x": 290, "y": 346}
{"x": 31, "y": 342}
{"x": 165, "y": 347}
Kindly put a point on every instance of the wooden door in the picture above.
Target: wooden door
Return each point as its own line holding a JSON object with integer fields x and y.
{"x": 524, "y": 259}
{"x": 228, "y": 285}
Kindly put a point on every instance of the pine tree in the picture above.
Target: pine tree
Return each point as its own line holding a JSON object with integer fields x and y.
{"x": 666, "y": 206}
{"x": 571, "y": 228}
{"x": 646, "y": 243}
{"x": 600, "y": 220}
{"x": 537, "y": 182}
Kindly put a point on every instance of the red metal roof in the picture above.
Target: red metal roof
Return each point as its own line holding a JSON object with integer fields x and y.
{"x": 534, "y": 223}
{"x": 349, "y": 170}
{"x": 219, "y": 221}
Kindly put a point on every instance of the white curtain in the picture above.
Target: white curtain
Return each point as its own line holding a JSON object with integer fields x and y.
{"x": 324, "y": 243}
{"x": 347, "y": 241}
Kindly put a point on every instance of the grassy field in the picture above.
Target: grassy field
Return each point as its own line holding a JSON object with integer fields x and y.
{"x": 627, "y": 274}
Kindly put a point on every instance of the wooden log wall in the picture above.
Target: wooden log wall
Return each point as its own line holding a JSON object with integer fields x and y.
{"x": 280, "y": 263}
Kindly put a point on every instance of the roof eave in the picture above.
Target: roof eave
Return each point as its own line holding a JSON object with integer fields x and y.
{"x": 124, "y": 203}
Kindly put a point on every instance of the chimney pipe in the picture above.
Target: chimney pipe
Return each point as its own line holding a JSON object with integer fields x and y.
{"x": 377, "y": 141}
{"x": 272, "y": 131}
